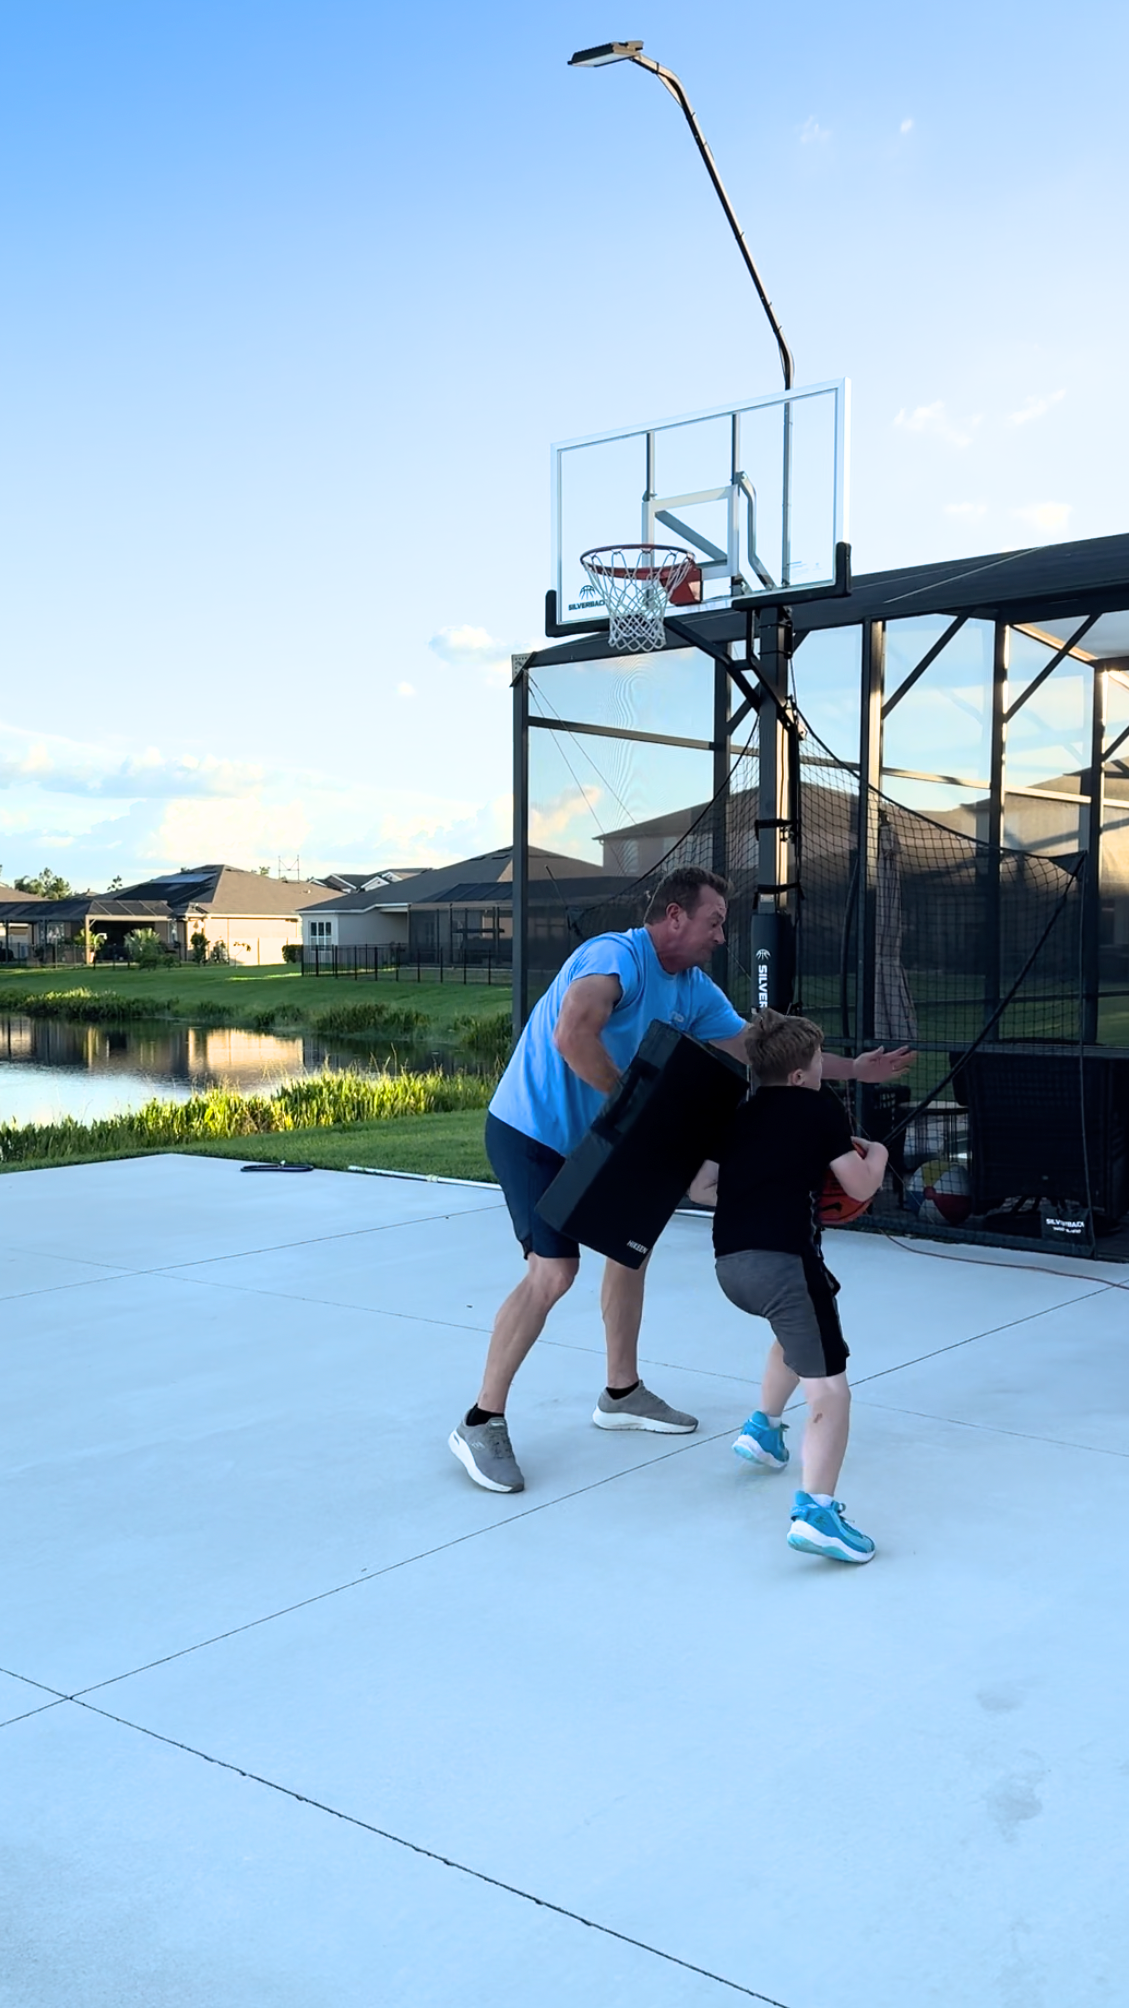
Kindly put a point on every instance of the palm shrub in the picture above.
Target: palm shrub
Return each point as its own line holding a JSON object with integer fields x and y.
{"x": 145, "y": 947}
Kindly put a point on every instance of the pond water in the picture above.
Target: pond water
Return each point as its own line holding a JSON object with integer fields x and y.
{"x": 52, "y": 1067}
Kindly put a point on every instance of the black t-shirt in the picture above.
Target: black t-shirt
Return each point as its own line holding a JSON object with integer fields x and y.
{"x": 772, "y": 1162}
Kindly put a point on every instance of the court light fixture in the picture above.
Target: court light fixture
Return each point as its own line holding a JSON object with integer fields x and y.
{"x": 632, "y": 52}
{"x": 608, "y": 52}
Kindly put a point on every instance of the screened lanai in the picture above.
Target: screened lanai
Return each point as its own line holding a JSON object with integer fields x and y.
{"x": 919, "y": 793}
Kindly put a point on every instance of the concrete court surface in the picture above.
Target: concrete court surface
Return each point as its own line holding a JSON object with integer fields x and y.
{"x": 294, "y": 1714}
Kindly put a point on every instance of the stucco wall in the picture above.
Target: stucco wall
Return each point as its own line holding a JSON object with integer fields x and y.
{"x": 357, "y": 930}
{"x": 250, "y": 938}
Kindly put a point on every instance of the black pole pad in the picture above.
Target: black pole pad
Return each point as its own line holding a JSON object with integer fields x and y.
{"x": 774, "y": 960}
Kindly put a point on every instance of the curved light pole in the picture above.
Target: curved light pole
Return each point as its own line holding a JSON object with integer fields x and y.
{"x": 772, "y": 927}
{"x": 632, "y": 52}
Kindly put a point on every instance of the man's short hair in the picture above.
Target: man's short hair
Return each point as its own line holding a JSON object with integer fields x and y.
{"x": 683, "y": 888}
{"x": 776, "y": 1046}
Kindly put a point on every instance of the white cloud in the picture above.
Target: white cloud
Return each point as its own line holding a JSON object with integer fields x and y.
{"x": 75, "y": 767}
{"x": 569, "y": 817}
{"x": 231, "y": 832}
{"x": 813, "y": 134}
{"x": 933, "y": 420}
{"x": 468, "y": 645}
{"x": 1036, "y": 407}
{"x": 472, "y": 648}
{"x": 970, "y": 511}
{"x": 405, "y": 690}
{"x": 1047, "y": 516}
{"x": 906, "y": 125}
{"x": 96, "y": 809}
{"x": 350, "y": 828}
{"x": 408, "y": 828}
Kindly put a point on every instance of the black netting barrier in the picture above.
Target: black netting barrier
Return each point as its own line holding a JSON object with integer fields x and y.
{"x": 973, "y": 956}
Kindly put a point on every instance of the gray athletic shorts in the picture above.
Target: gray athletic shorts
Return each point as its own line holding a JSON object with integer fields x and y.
{"x": 797, "y": 1296}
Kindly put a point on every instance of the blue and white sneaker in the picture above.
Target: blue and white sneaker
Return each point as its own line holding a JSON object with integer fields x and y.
{"x": 761, "y": 1443}
{"x": 826, "y": 1530}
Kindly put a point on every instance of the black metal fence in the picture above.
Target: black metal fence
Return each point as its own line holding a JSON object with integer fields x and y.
{"x": 397, "y": 964}
{"x": 73, "y": 955}
{"x": 1011, "y": 1124}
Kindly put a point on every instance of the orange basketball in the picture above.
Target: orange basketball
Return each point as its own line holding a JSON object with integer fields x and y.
{"x": 836, "y": 1207}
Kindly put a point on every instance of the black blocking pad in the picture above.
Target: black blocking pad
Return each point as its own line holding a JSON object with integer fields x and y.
{"x": 626, "y": 1176}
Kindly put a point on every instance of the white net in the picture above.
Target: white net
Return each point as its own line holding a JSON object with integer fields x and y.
{"x": 636, "y": 583}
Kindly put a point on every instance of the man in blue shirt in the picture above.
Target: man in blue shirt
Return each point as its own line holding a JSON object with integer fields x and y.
{"x": 580, "y": 1037}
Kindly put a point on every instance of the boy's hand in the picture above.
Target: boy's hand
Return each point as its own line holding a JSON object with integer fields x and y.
{"x": 866, "y": 1147}
{"x": 703, "y": 1185}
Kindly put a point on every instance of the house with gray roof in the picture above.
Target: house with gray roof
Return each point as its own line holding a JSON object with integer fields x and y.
{"x": 366, "y": 881}
{"x": 252, "y": 915}
{"x": 464, "y": 909}
{"x": 74, "y": 929}
{"x": 16, "y": 931}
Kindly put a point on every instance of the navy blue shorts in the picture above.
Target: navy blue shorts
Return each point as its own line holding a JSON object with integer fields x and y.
{"x": 525, "y": 1169}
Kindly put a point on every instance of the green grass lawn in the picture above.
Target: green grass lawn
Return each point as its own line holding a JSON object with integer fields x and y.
{"x": 249, "y": 993}
{"x": 446, "y": 1145}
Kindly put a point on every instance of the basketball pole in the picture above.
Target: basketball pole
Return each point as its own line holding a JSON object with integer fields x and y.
{"x": 773, "y": 943}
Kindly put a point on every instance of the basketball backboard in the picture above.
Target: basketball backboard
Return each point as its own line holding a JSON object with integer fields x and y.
{"x": 757, "y": 491}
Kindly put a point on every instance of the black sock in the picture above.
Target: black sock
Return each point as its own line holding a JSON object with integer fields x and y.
{"x": 476, "y": 1415}
{"x": 619, "y": 1393}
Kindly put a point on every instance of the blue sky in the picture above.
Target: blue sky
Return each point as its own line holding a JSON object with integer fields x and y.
{"x": 295, "y": 298}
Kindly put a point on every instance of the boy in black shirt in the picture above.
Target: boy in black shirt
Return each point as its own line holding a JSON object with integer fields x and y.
{"x": 766, "y": 1187}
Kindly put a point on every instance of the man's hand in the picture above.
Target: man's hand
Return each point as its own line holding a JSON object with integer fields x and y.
{"x": 883, "y": 1066}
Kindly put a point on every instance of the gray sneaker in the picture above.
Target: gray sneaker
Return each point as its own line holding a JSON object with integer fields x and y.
{"x": 488, "y": 1455}
{"x": 642, "y": 1410}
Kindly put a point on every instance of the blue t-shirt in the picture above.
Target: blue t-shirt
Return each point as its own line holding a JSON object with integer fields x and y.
{"x": 539, "y": 1093}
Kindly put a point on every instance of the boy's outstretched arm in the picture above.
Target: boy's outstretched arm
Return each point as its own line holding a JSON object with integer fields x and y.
{"x": 703, "y": 1185}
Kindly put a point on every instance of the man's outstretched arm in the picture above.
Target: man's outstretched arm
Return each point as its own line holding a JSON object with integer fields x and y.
{"x": 872, "y": 1067}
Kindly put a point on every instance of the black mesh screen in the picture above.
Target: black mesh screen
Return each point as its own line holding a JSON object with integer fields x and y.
{"x": 971, "y": 956}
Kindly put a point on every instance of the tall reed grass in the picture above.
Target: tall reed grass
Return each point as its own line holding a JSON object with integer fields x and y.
{"x": 395, "y": 1019}
{"x": 489, "y": 1038}
{"x": 322, "y": 1101}
{"x": 101, "y": 1007}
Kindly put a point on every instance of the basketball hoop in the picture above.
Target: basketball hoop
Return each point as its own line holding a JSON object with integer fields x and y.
{"x": 636, "y": 583}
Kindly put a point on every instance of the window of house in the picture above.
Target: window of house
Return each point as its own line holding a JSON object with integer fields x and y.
{"x": 321, "y": 930}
